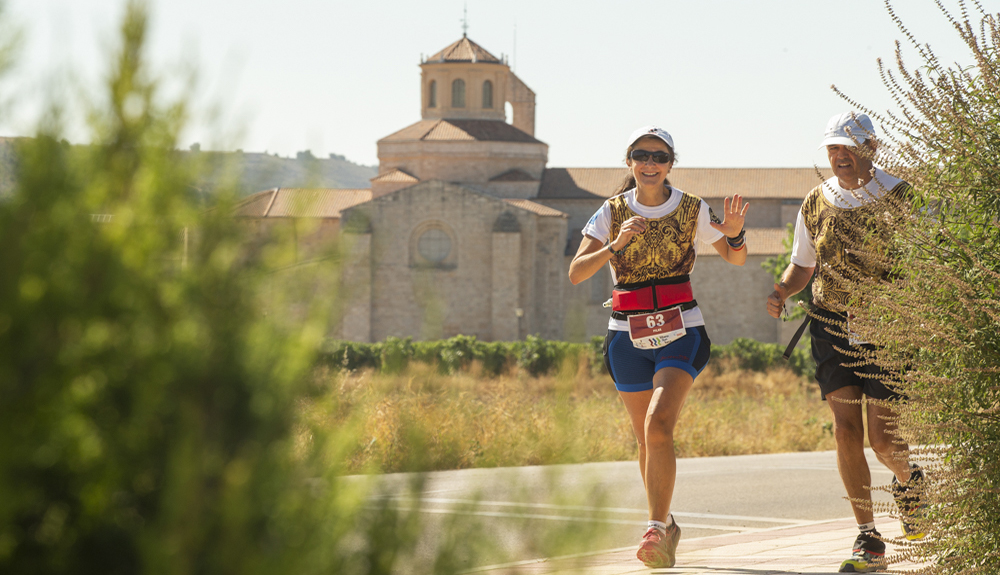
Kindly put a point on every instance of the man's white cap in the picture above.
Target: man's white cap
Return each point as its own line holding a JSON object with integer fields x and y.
{"x": 651, "y": 131}
{"x": 841, "y": 128}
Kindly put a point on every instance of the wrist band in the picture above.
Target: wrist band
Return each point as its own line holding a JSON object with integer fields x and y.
{"x": 735, "y": 249}
{"x": 737, "y": 242}
{"x": 612, "y": 249}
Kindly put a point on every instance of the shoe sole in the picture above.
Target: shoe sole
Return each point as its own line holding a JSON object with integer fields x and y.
{"x": 851, "y": 566}
{"x": 655, "y": 559}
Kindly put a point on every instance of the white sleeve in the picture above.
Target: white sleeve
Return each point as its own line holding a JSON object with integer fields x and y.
{"x": 706, "y": 232}
{"x": 803, "y": 246}
{"x": 599, "y": 226}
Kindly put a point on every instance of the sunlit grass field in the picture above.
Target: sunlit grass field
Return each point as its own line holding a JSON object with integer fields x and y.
{"x": 423, "y": 420}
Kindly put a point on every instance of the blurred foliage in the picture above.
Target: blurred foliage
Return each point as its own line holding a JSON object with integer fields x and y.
{"x": 937, "y": 324}
{"x": 151, "y": 416}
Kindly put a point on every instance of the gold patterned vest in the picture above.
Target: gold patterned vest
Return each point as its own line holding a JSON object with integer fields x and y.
{"x": 664, "y": 250}
{"x": 836, "y": 231}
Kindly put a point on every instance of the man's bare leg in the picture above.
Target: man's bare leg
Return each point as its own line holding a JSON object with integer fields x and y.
{"x": 849, "y": 432}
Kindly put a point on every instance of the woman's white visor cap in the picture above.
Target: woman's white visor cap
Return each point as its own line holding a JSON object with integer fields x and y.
{"x": 651, "y": 131}
{"x": 848, "y": 129}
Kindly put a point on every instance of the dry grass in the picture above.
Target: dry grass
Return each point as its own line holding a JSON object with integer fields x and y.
{"x": 421, "y": 420}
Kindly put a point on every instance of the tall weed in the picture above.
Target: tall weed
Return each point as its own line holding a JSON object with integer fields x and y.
{"x": 937, "y": 323}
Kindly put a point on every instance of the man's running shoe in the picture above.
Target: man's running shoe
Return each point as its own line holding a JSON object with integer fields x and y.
{"x": 868, "y": 555}
{"x": 910, "y": 507}
{"x": 659, "y": 549}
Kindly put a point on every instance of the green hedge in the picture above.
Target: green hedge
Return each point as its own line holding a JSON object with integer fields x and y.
{"x": 534, "y": 355}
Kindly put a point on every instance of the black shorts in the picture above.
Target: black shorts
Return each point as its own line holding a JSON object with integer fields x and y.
{"x": 831, "y": 371}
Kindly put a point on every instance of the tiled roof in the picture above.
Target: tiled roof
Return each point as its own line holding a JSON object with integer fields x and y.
{"x": 778, "y": 183}
{"x": 514, "y": 175}
{"x": 256, "y": 206}
{"x": 395, "y": 175}
{"x": 461, "y": 130}
{"x": 301, "y": 203}
{"x": 536, "y": 208}
{"x": 760, "y": 242}
{"x": 585, "y": 183}
{"x": 464, "y": 50}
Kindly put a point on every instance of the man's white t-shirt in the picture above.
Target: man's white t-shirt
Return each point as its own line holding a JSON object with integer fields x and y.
{"x": 599, "y": 228}
{"x": 803, "y": 246}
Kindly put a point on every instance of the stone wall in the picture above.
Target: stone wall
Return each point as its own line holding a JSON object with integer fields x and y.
{"x": 481, "y": 284}
{"x": 732, "y": 299}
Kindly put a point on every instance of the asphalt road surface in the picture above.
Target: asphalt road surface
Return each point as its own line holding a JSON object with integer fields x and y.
{"x": 533, "y": 512}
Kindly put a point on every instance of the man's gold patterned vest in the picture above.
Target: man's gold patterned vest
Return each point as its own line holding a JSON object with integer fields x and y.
{"x": 836, "y": 232}
{"x": 665, "y": 249}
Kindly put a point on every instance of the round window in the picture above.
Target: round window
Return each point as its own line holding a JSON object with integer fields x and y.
{"x": 434, "y": 245}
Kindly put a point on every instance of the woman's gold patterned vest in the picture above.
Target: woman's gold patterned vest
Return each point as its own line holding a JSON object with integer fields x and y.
{"x": 664, "y": 250}
{"x": 836, "y": 232}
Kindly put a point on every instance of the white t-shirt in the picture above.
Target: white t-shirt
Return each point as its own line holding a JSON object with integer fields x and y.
{"x": 803, "y": 246}
{"x": 599, "y": 228}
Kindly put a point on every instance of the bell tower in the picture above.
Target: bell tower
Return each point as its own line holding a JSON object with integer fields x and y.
{"x": 466, "y": 82}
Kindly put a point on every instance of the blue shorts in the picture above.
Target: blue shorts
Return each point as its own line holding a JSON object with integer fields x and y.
{"x": 632, "y": 369}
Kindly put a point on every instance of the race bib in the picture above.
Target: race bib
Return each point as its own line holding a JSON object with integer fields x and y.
{"x": 657, "y": 329}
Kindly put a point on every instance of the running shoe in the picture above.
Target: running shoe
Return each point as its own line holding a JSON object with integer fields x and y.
{"x": 910, "y": 507}
{"x": 659, "y": 549}
{"x": 868, "y": 555}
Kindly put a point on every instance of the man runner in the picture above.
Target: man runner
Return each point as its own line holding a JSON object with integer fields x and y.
{"x": 827, "y": 228}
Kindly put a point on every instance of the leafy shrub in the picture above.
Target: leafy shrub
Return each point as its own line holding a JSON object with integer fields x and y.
{"x": 595, "y": 355}
{"x": 539, "y": 356}
{"x": 496, "y": 357}
{"x": 395, "y": 354}
{"x": 457, "y": 353}
{"x": 756, "y": 356}
{"x": 350, "y": 355}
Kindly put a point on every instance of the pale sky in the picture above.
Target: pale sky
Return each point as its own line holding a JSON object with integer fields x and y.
{"x": 737, "y": 83}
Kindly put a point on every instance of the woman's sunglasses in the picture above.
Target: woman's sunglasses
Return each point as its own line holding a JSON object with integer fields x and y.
{"x": 658, "y": 157}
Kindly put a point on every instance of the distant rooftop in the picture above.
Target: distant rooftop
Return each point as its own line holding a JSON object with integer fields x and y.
{"x": 301, "y": 203}
{"x": 464, "y": 50}
{"x": 461, "y": 130}
{"x": 772, "y": 183}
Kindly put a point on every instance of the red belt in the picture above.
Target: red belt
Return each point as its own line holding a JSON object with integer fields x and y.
{"x": 650, "y": 298}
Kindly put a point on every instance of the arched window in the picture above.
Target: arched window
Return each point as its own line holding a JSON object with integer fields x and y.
{"x": 487, "y": 94}
{"x": 432, "y": 94}
{"x": 458, "y": 93}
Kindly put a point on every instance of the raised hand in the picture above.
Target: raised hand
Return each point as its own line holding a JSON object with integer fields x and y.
{"x": 734, "y": 215}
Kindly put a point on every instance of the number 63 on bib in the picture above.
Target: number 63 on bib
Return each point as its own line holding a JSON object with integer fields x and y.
{"x": 656, "y": 329}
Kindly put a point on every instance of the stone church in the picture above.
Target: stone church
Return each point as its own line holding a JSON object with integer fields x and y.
{"x": 467, "y": 230}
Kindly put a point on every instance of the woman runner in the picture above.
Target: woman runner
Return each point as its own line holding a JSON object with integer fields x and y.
{"x": 656, "y": 343}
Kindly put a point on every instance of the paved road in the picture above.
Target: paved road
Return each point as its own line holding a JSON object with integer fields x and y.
{"x": 520, "y": 509}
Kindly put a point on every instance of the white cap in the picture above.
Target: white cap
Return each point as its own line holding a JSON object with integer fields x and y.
{"x": 651, "y": 131}
{"x": 841, "y": 128}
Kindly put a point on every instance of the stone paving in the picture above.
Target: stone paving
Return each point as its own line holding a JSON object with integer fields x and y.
{"x": 817, "y": 547}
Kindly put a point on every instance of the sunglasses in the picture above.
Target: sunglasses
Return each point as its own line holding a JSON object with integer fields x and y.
{"x": 658, "y": 157}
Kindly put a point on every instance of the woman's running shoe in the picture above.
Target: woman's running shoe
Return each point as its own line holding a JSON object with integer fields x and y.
{"x": 659, "y": 549}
